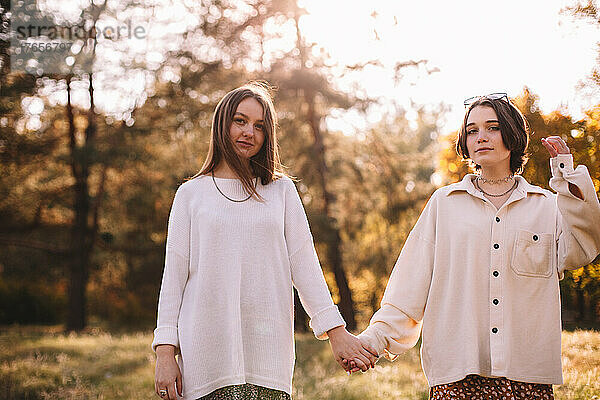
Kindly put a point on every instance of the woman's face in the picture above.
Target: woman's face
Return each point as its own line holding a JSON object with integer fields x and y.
{"x": 247, "y": 130}
{"x": 484, "y": 139}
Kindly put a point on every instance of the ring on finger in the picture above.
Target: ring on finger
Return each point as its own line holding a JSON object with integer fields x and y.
{"x": 162, "y": 392}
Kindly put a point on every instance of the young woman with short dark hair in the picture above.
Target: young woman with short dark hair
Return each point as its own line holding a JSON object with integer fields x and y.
{"x": 478, "y": 276}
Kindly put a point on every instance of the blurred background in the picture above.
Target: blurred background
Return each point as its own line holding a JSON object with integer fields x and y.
{"x": 99, "y": 128}
{"x": 91, "y": 158}
{"x": 369, "y": 96}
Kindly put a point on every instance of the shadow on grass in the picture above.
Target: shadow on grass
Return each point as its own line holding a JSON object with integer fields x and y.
{"x": 13, "y": 390}
{"x": 30, "y": 368}
{"x": 48, "y": 382}
{"x": 587, "y": 325}
{"x": 41, "y": 353}
{"x": 123, "y": 367}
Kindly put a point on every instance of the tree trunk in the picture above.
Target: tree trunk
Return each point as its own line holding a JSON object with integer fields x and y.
{"x": 335, "y": 258}
{"x": 300, "y": 317}
{"x": 334, "y": 255}
{"x": 581, "y": 303}
{"x": 78, "y": 268}
{"x": 85, "y": 226}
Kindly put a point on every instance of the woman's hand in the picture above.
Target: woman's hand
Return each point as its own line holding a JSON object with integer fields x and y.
{"x": 555, "y": 146}
{"x": 167, "y": 375}
{"x": 352, "y": 365}
{"x": 345, "y": 346}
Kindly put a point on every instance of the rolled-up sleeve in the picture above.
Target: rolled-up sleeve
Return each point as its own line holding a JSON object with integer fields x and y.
{"x": 175, "y": 273}
{"x": 578, "y": 219}
{"x": 307, "y": 275}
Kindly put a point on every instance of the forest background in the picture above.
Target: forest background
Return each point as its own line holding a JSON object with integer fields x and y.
{"x": 85, "y": 191}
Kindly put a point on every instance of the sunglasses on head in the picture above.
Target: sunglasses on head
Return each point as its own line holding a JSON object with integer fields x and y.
{"x": 492, "y": 96}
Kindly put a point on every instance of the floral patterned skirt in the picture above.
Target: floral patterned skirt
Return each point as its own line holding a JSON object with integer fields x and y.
{"x": 246, "y": 391}
{"x": 476, "y": 387}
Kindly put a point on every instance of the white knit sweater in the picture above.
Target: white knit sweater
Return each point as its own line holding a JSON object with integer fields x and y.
{"x": 226, "y": 300}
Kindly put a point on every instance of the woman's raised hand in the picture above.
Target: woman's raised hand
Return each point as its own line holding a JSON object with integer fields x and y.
{"x": 555, "y": 146}
{"x": 167, "y": 376}
{"x": 345, "y": 347}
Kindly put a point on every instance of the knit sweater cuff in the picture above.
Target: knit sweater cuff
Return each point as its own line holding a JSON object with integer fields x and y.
{"x": 325, "y": 320}
{"x": 165, "y": 335}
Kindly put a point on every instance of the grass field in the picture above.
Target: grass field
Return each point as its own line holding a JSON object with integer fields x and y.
{"x": 43, "y": 363}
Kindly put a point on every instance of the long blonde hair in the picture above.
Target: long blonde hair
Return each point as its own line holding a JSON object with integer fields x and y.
{"x": 266, "y": 163}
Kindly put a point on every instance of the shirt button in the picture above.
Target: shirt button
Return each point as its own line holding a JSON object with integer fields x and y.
{"x": 562, "y": 165}
{"x": 497, "y": 219}
{"x": 495, "y": 273}
{"x": 535, "y": 237}
{"x": 496, "y": 246}
{"x": 494, "y": 330}
{"x": 495, "y": 301}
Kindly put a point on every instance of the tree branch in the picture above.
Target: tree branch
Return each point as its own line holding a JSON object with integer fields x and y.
{"x": 34, "y": 244}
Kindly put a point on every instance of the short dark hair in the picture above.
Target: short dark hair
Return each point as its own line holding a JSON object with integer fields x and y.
{"x": 513, "y": 127}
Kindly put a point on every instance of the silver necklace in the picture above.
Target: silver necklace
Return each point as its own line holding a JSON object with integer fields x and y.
{"x": 495, "y": 181}
{"x": 494, "y": 195}
{"x": 227, "y": 197}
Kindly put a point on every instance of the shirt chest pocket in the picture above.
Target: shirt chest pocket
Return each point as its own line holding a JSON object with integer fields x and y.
{"x": 533, "y": 254}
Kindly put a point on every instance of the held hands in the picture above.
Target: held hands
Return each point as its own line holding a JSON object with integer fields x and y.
{"x": 348, "y": 349}
{"x": 167, "y": 377}
{"x": 353, "y": 366}
{"x": 555, "y": 146}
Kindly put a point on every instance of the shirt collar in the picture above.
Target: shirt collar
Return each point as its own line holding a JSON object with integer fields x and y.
{"x": 466, "y": 185}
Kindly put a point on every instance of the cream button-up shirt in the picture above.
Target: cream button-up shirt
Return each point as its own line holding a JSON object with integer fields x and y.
{"x": 481, "y": 284}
